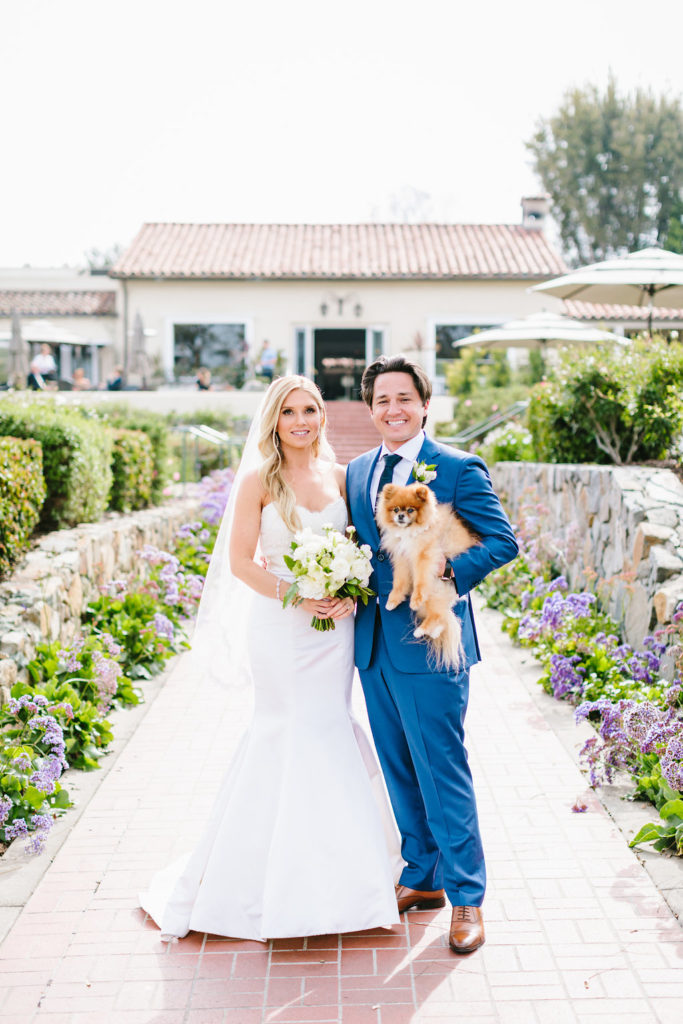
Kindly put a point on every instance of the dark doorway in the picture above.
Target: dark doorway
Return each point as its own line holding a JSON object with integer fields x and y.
{"x": 339, "y": 361}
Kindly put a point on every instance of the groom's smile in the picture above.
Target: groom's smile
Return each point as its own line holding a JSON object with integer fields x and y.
{"x": 397, "y": 409}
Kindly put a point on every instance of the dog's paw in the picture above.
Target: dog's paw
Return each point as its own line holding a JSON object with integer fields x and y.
{"x": 418, "y": 632}
{"x": 393, "y": 601}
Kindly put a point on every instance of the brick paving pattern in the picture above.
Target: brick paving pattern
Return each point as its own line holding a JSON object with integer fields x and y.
{"x": 576, "y": 930}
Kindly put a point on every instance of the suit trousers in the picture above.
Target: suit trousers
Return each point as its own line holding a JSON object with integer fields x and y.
{"x": 417, "y": 723}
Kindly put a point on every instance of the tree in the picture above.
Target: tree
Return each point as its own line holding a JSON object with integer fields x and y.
{"x": 613, "y": 166}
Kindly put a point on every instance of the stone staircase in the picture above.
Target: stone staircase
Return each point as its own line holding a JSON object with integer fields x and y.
{"x": 350, "y": 430}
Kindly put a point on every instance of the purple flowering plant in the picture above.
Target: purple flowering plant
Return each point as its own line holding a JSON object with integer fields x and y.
{"x": 627, "y": 694}
{"x": 32, "y": 759}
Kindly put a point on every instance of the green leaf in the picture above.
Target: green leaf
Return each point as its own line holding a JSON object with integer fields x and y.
{"x": 291, "y": 594}
{"x": 646, "y": 834}
{"x": 672, "y": 809}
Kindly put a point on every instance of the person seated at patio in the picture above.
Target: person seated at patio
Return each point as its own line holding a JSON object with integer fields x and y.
{"x": 204, "y": 379}
{"x": 115, "y": 379}
{"x": 267, "y": 361}
{"x": 79, "y": 381}
{"x": 43, "y": 365}
{"x": 35, "y": 381}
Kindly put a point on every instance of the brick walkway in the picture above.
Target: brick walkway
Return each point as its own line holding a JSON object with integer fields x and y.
{"x": 577, "y": 931}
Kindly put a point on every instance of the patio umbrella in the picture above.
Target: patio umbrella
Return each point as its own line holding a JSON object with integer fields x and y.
{"x": 539, "y": 330}
{"x": 650, "y": 277}
{"x": 18, "y": 353}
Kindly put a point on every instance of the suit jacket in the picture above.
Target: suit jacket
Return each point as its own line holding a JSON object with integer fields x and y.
{"x": 462, "y": 480}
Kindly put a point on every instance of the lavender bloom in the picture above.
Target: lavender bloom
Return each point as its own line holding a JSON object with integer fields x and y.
{"x": 17, "y": 829}
{"x": 163, "y": 626}
{"x": 114, "y": 587}
{"x": 564, "y": 677}
{"x": 639, "y": 719}
{"x": 113, "y": 649}
{"x": 22, "y": 762}
{"x": 6, "y": 806}
{"x": 107, "y": 672}
{"x": 187, "y": 530}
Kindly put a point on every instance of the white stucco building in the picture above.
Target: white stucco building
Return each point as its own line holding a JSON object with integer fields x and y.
{"x": 327, "y": 297}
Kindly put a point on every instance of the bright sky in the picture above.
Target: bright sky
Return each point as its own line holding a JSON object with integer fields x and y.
{"x": 291, "y": 110}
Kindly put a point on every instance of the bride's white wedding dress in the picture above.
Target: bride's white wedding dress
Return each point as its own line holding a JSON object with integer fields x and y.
{"x": 301, "y": 839}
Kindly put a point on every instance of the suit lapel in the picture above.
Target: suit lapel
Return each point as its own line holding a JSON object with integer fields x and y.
{"x": 367, "y": 504}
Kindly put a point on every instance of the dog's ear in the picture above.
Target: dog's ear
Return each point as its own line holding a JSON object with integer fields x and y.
{"x": 388, "y": 492}
{"x": 422, "y": 492}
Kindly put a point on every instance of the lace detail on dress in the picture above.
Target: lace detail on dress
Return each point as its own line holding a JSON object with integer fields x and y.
{"x": 276, "y": 538}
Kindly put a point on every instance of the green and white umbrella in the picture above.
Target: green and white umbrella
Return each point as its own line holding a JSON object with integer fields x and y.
{"x": 539, "y": 330}
{"x": 651, "y": 277}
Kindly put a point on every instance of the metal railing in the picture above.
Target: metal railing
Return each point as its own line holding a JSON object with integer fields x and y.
{"x": 478, "y": 430}
{"x": 229, "y": 448}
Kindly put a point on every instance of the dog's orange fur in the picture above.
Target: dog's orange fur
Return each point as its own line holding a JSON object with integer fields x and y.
{"x": 419, "y": 533}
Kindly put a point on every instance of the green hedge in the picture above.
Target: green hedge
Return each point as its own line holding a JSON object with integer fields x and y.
{"x": 154, "y": 425}
{"x": 132, "y": 469}
{"x": 618, "y": 406}
{"x": 22, "y": 493}
{"x": 76, "y": 459}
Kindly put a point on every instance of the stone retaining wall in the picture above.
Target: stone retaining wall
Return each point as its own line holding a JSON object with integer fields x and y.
{"x": 45, "y": 596}
{"x": 624, "y": 524}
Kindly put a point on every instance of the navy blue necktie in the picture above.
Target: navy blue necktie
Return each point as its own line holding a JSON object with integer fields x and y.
{"x": 387, "y": 474}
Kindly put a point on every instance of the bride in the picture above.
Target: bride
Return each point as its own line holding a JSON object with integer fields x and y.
{"x": 300, "y": 840}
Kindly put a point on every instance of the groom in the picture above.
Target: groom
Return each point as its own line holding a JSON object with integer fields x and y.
{"x": 417, "y": 713}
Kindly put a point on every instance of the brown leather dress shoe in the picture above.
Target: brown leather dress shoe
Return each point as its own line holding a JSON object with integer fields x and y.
{"x": 467, "y": 930}
{"x": 418, "y": 899}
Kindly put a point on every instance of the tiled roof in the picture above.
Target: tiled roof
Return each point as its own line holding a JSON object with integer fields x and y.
{"x": 56, "y": 303}
{"x": 338, "y": 251}
{"x": 598, "y": 311}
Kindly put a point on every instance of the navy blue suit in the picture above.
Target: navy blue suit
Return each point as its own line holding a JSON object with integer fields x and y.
{"x": 416, "y": 713}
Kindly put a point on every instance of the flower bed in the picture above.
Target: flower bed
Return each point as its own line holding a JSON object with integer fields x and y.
{"x": 57, "y": 718}
{"x": 633, "y": 697}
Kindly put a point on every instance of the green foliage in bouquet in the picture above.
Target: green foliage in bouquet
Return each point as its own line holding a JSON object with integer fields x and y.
{"x": 22, "y": 493}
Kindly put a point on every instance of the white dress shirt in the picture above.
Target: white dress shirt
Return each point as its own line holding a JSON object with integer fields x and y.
{"x": 402, "y": 470}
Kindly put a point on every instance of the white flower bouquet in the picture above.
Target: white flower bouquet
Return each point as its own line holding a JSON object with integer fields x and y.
{"x": 328, "y": 565}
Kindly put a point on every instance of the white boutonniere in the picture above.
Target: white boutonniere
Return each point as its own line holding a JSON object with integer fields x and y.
{"x": 423, "y": 473}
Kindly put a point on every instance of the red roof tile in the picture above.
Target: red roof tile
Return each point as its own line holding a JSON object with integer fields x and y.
{"x": 56, "y": 303}
{"x": 597, "y": 311}
{"x": 341, "y": 251}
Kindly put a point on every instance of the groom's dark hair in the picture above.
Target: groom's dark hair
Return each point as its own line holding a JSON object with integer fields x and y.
{"x": 395, "y": 364}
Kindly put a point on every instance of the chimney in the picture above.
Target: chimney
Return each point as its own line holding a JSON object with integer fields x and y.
{"x": 535, "y": 210}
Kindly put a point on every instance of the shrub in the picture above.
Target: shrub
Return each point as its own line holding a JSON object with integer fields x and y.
{"x": 132, "y": 470}
{"x": 76, "y": 459}
{"x": 610, "y": 406}
{"x": 155, "y": 427}
{"x": 22, "y": 493}
{"x": 511, "y": 442}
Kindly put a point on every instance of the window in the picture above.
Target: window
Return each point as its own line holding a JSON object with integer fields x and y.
{"x": 446, "y": 334}
{"x": 222, "y": 348}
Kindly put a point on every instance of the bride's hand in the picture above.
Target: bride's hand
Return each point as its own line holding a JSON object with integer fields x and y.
{"x": 341, "y": 607}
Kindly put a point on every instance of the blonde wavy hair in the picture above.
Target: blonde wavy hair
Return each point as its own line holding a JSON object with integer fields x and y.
{"x": 271, "y": 471}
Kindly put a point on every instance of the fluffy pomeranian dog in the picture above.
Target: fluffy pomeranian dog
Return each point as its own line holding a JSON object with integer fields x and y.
{"x": 419, "y": 532}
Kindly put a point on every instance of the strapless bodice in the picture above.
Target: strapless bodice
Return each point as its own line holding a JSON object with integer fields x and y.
{"x": 276, "y": 537}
